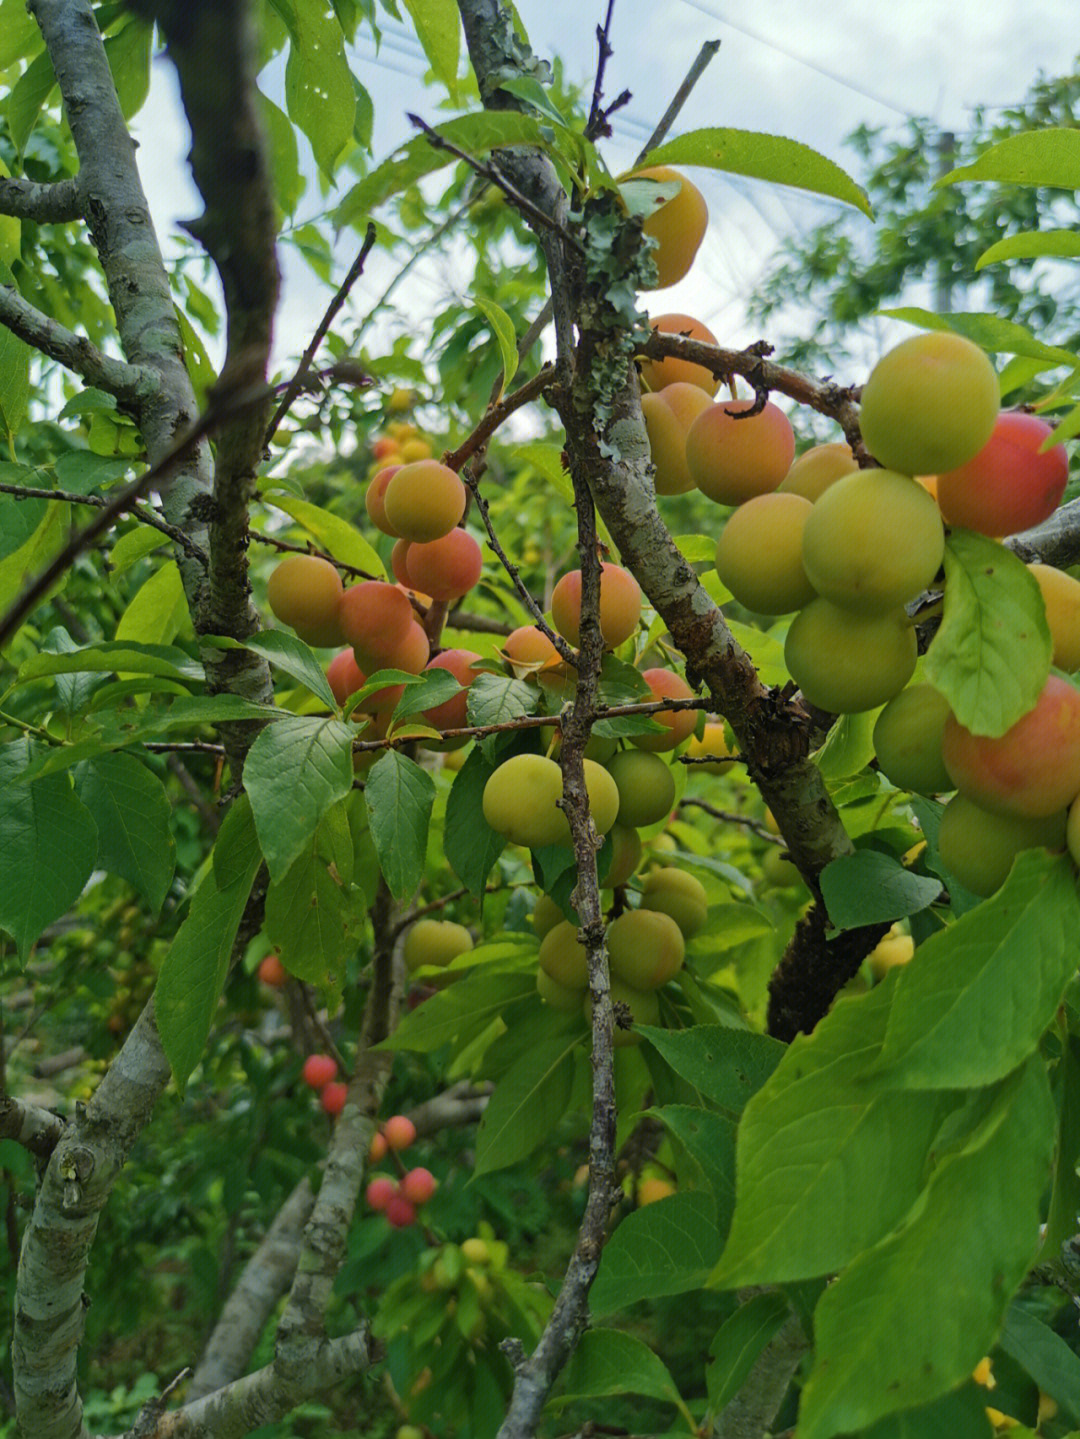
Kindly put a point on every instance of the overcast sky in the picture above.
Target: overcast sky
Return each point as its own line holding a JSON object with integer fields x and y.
{"x": 785, "y": 66}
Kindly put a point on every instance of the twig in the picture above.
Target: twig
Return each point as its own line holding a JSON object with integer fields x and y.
{"x": 497, "y": 414}
{"x": 728, "y": 816}
{"x": 37, "y": 1130}
{"x": 603, "y": 41}
{"x": 682, "y": 94}
{"x": 207, "y": 813}
{"x": 356, "y": 269}
{"x": 416, "y": 253}
{"x": 128, "y": 383}
{"x": 497, "y": 178}
{"x": 138, "y": 512}
{"x": 224, "y": 402}
{"x": 186, "y": 746}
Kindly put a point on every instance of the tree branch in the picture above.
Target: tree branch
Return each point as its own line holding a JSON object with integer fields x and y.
{"x": 128, "y": 383}
{"x": 139, "y": 512}
{"x": 51, "y": 204}
{"x": 37, "y": 1130}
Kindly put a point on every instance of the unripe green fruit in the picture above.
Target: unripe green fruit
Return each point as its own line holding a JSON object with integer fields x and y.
{"x": 779, "y": 871}
{"x": 929, "y": 404}
{"x": 563, "y": 957}
{"x": 626, "y": 855}
{"x": 1072, "y": 833}
{"x": 559, "y": 996}
{"x": 646, "y": 787}
{"x": 435, "y": 941}
{"x": 907, "y": 740}
{"x": 644, "y": 1007}
{"x": 520, "y": 800}
{"x": 678, "y": 894}
{"x": 476, "y": 1251}
{"x": 759, "y": 554}
{"x": 846, "y": 662}
{"x": 873, "y": 541}
{"x": 816, "y": 469}
{"x": 546, "y": 915}
{"x": 645, "y": 948}
{"x": 978, "y": 846}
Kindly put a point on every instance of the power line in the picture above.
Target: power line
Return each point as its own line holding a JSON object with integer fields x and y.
{"x": 799, "y": 59}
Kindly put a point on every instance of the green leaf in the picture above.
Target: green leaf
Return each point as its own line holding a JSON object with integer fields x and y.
{"x": 19, "y": 34}
{"x": 1046, "y": 1357}
{"x": 989, "y": 332}
{"x": 547, "y": 460}
{"x": 128, "y": 53}
{"x": 502, "y": 327}
{"x": 494, "y": 698}
{"x": 739, "y": 1342}
{"x": 305, "y": 920}
{"x": 991, "y": 656}
{"x": 910, "y": 1319}
{"x": 664, "y": 1248}
{"x": 726, "y": 1066}
{"x": 19, "y": 519}
{"x": 829, "y": 1158}
{"x": 470, "y": 844}
{"x": 976, "y": 997}
{"x": 527, "y": 1103}
{"x": 697, "y": 549}
{"x": 82, "y": 472}
{"x": 1060, "y": 244}
{"x": 285, "y": 652}
{"x": 132, "y": 813}
{"x": 157, "y": 610}
{"x": 319, "y": 93}
{"x": 766, "y": 651}
{"x": 334, "y": 534}
{"x": 399, "y": 796}
{"x": 609, "y": 1362}
{"x": 48, "y": 842}
{"x": 194, "y": 970}
{"x": 960, "y": 1414}
{"x": 108, "y": 657}
{"x": 284, "y": 155}
{"x": 868, "y": 887}
{"x": 1037, "y": 157}
{"x": 463, "y": 1011}
{"x": 1065, "y": 1195}
{"x": 434, "y": 687}
{"x": 26, "y": 98}
{"x": 478, "y": 133}
{"x": 849, "y": 746}
{"x": 708, "y": 1142}
{"x": 438, "y": 29}
{"x": 763, "y": 157}
{"x": 296, "y": 769}
{"x": 134, "y": 546}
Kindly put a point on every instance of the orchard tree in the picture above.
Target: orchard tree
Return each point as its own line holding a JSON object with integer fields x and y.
{"x": 561, "y": 910}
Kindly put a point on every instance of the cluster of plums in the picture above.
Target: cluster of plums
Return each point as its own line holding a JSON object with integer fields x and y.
{"x": 398, "y": 1199}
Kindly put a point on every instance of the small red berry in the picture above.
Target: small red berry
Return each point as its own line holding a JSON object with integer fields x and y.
{"x": 333, "y": 1097}
{"x": 319, "y": 1069}
{"x": 271, "y": 971}
{"x": 378, "y": 1147}
{"x": 418, "y": 1185}
{"x": 399, "y": 1212}
{"x": 400, "y": 1131}
{"x": 380, "y": 1191}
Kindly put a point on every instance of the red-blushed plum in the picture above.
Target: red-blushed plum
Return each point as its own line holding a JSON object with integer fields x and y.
{"x": 668, "y": 415}
{"x": 1033, "y": 769}
{"x": 620, "y": 605}
{"x": 733, "y": 459}
{"x": 446, "y": 568}
{"x": 679, "y": 724}
{"x": 1008, "y": 486}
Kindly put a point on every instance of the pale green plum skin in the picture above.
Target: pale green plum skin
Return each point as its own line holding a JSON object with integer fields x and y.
{"x": 759, "y": 554}
{"x": 645, "y": 948}
{"x": 675, "y": 893}
{"x": 646, "y": 787}
{"x": 435, "y": 941}
{"x": 929, "y": 404}
{"x": 874, "y": 540}
{"x": 546, "y": 915}
{"x": 643, "y": 1005}
{"x": 559, "y": 996}
{"x": 979, "y": 846}
{"x": 907, "y": 740}
{"x": 846, "y": 662}
{"x": 563, "y": 957}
